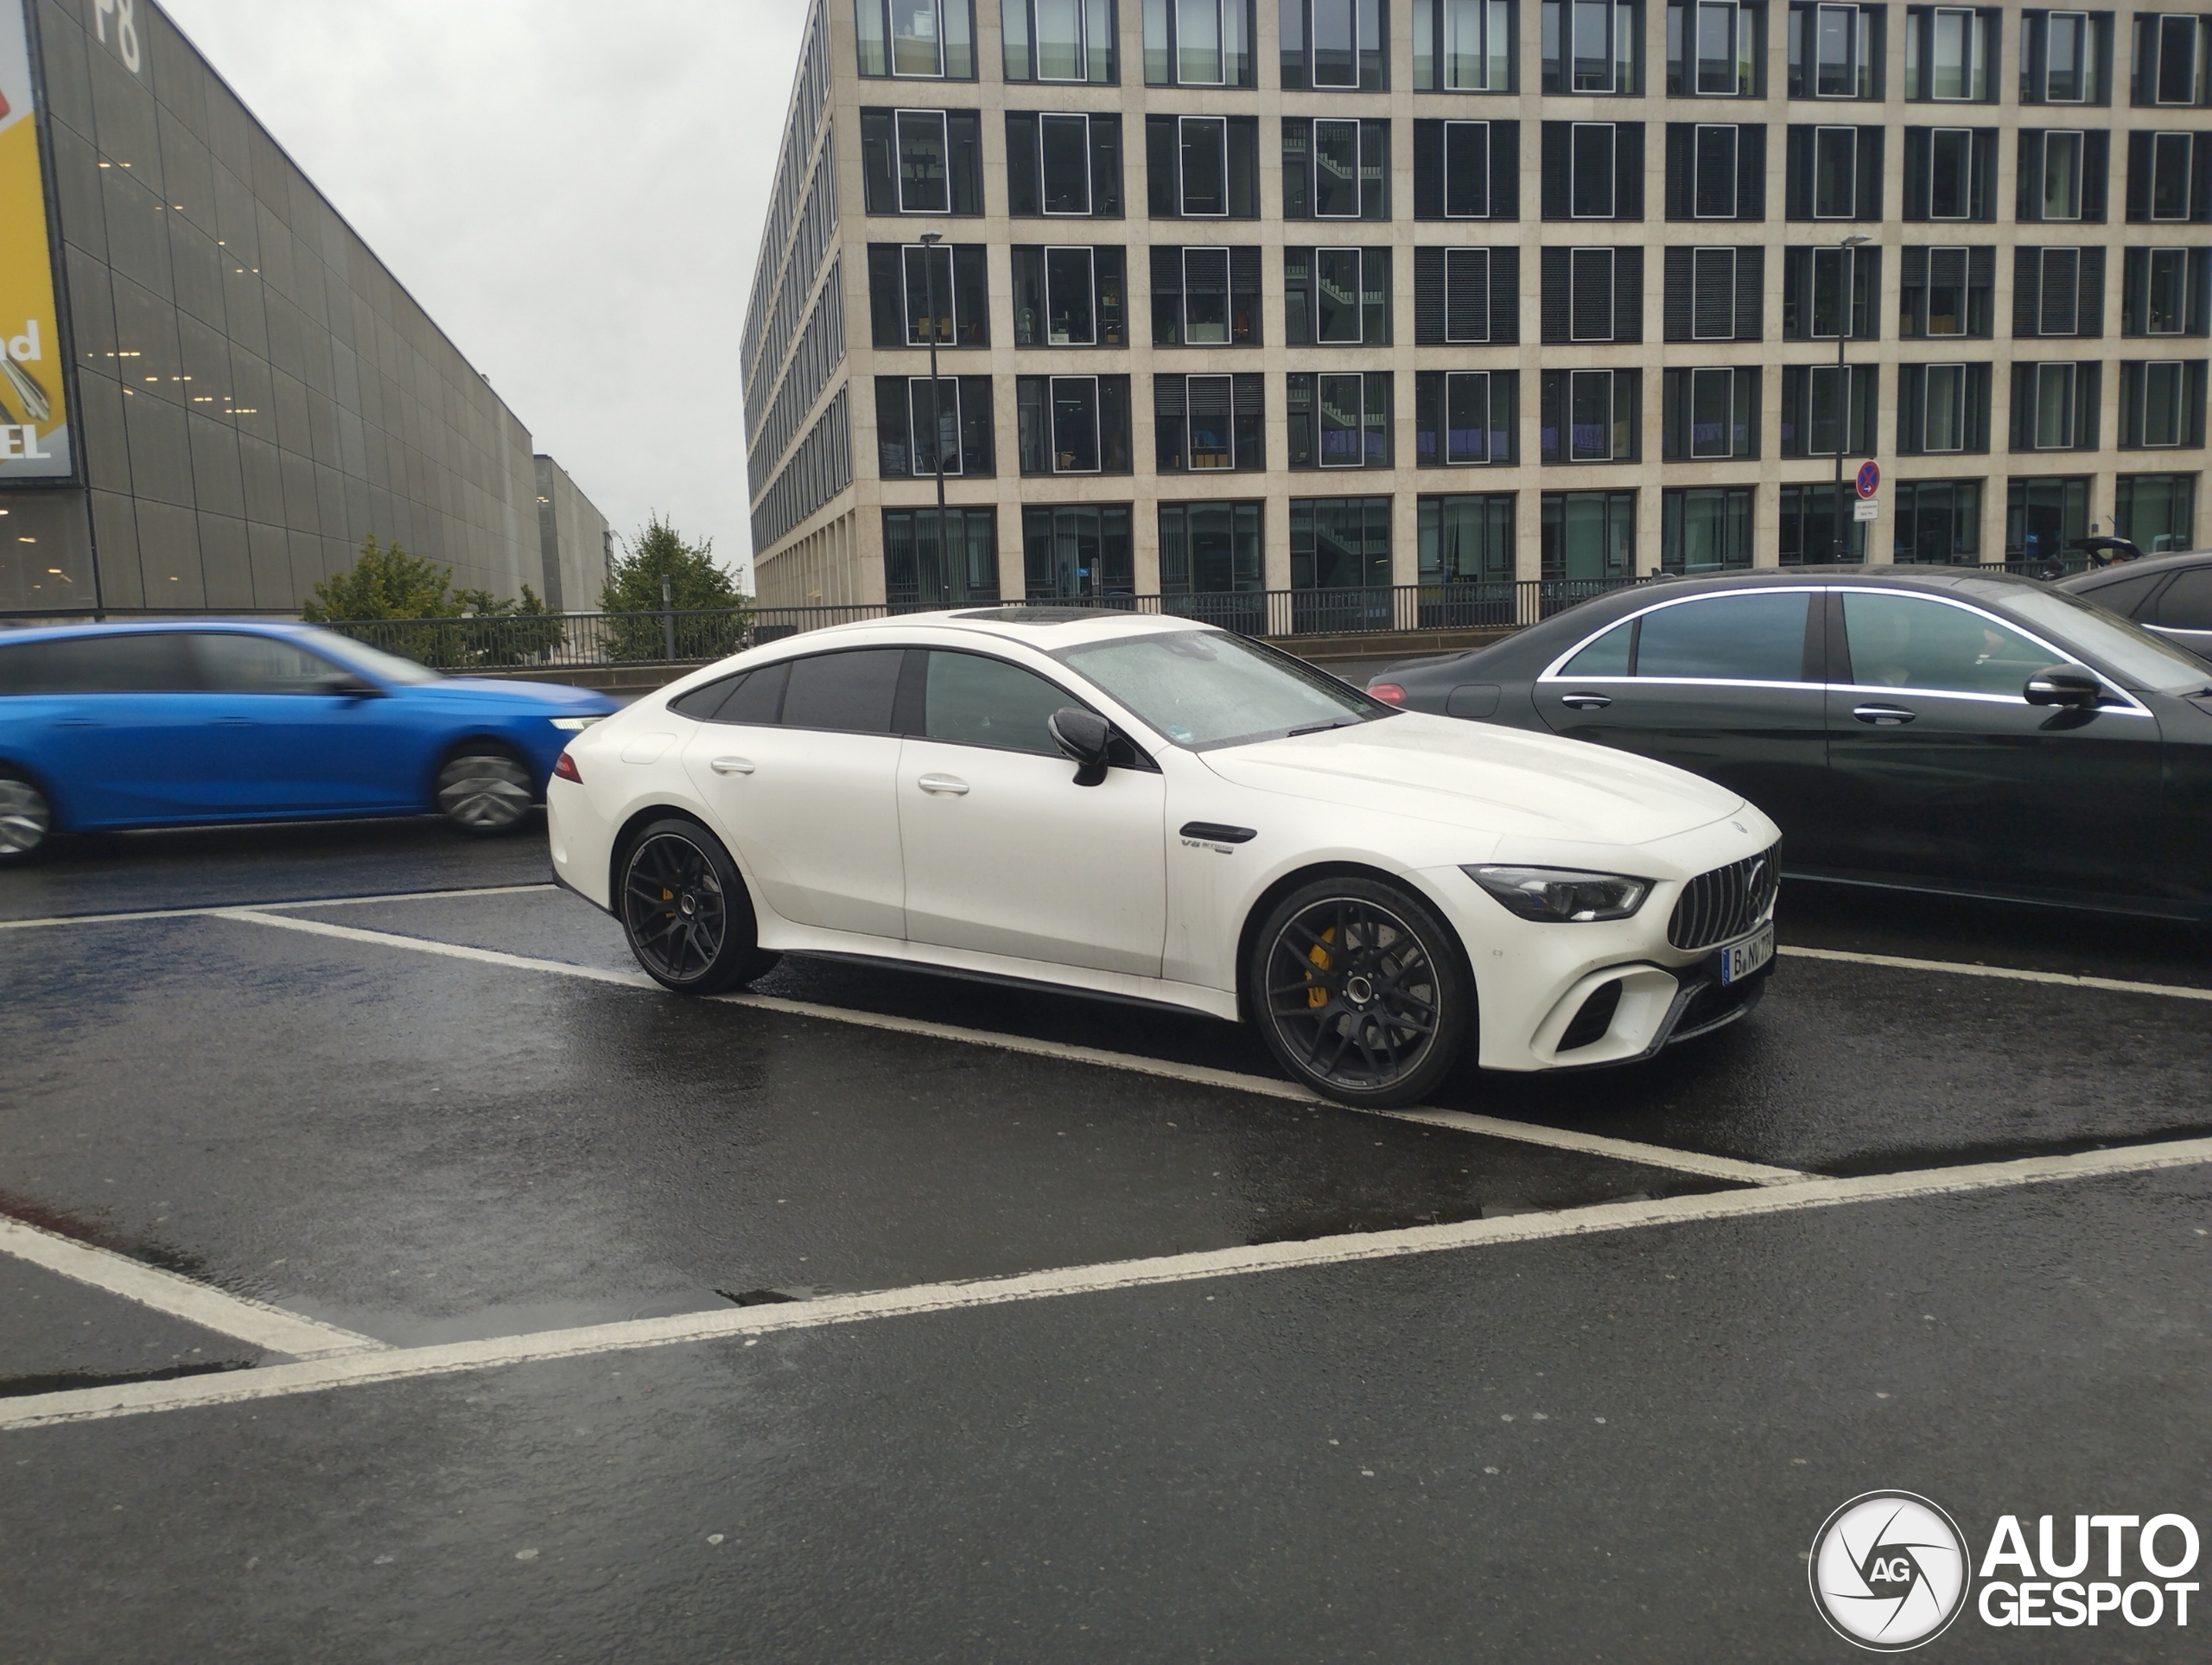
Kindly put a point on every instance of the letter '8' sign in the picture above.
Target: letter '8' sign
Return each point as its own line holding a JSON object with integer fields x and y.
{"x": 126, "y": 28}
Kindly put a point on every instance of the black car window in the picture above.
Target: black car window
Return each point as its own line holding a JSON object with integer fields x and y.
{"x": 850, "y": 692}
{"x": 701, "y": 703}
{"x": 982, "y": 701}
{"x": 2187, "y": 604}
{"x": 1909, "y": 641}
{"x": 2123, "y": 595}
{"x": 234, "y": 662}
{"x": 1749, "y": 638}
{"x": 123, "y": 662}
{"x": 1606, "y": 656}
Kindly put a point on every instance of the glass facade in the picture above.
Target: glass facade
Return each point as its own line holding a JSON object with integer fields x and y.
{"x": 2156, "y": 512}
{"x": 255, "y": 393}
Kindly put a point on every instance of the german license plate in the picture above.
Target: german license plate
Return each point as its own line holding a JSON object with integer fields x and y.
{"x": 1739, "y": 960}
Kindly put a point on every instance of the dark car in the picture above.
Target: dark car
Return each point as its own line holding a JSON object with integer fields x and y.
{"x": 2169, "y": 594}
{"x": 1924, "y": 728}
{"x": 114, "y": 726}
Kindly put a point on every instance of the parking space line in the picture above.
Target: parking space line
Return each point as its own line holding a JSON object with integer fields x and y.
{"x": 270, "y": 1328}
{"x": 400, "y": 1365}
{"x": 1588, "y": 1144}
{"x": 312, "y": 901}
{"x": 2010, "y": 973}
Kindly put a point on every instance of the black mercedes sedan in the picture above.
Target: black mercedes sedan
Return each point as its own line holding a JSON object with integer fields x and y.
{"x": 2170, "y": 595}
{"x": 1928, "y": 728}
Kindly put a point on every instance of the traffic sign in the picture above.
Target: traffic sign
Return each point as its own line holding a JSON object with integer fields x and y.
{"x": 1870, "y": 478}
{"x": 1866, "y": 508}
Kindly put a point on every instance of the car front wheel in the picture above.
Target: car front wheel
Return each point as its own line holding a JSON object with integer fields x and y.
{"x": 485, "y": 792}
{"x": 1360, "y": 991}
{"x": 685, "y": 910}
{"x": 26, "y": 819}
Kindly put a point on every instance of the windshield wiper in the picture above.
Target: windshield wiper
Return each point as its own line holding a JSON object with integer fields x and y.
{"x": 1322, "y": 727}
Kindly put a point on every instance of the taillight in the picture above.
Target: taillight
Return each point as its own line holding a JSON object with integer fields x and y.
{"x": 564, "y": 766}
{"x": 1389, "y": 693}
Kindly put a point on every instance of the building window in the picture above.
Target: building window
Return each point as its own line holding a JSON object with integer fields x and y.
{"x": 1466, "y": 539}
{"x": 1588, "y": 536}
{"x": 1714, "y": 294}
{"x": 2055, "y": 406}
{"x": 1076, "y": 551}
{"x": 1466, "y": 170}
{"x": 1073, "y": 296}
{"x": 2058, "y": 292}
{"x": 1337, "y": 297}
{"x": 1592, "y": 293}
{"x": 920, "y": 569}
{"x": 1816, "y": 526}
{"x": 1203, "y": 166}
{"x": 910, "y": 432}
{"x": 1594, "y": 170}
{"x": 1464, "y": 46}
{"x": 900, "y": 290}
{"x": 1593, "y": 46}
{"x": 1465, "y": 418}
{"x": 1205, "y": 297}
{"x": 1202, "y": 423}
{"x": 1710, "y": 416}
{"x": 922, "y": 161}
{"x": 1058, "y": 40}
{"x": 1335, "y": 43}
{"x": 1062, "y": 164}
{"x": 1946, "y": 291}
{"x": 1813, "y": 415}
{"x": 2166, "y": 175}
{"x": 1336, "y": 169}
{"x": 2163, "y": 292}
{"x": 1338, "y": 420}
{"x": 1466, "y": 297}
{"x": 1209, "y": 550}
{"x": 1835, "y": 51}
{"x": 1950, "y": 173}
{"x": 925, "y": 40}
{"x": 1951, "y": 53}
{"x": 1715, "y": 172}
{"x": 1590, "y": 416}
{"x": 1704, "y": 529}
{"x": 2065, "y": 57}
{"x": 2156, "y": 512}
{"x": 1072, "y": 424}
{"x": 2170, "y": 58}
{"x": 1339, "y": 543}
{"x": 2043, "y": 515}
{"x": 1834, "y": 173}
{"x": 1938, "y": 521}
{"x": 1814, "y": 284}
{"x": 1942, "y": 408}
{"x": 1198, "y": 43}
{"x": 2161, "y": 404}
{"x": 1716, "y": 49}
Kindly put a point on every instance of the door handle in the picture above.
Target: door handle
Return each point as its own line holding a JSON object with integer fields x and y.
{"x": 234, "y": 722}
{"x": 1586, "y": 702}
{"x": 1883, "y": 716}
{"x": 732, "y": 765}
{"x": 74, "y": 723}
{"x": 942, "y": 785}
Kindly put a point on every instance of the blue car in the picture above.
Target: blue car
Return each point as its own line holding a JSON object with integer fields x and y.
{"x": 161, "y": 725}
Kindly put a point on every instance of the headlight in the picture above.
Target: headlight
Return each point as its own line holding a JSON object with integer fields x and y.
{"x": 574, "y": 724}
{"x": 1562, "y": 895}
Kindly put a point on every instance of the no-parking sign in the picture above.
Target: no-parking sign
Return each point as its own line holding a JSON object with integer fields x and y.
{"x": 1870, "y": 478}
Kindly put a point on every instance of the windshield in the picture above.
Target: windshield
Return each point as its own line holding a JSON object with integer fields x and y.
{"x": 1204, "y": 688}
{"x": 374, "y": 660}
{"x": 2133, "y": 655}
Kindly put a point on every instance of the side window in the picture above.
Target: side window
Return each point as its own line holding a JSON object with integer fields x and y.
{"x": 2187, "y": 604}
{"x": 702, "y": 702}
{"x": 1751, "y": 638}
{"x": 1902, "y": 641}
{"x": 2127, "y": 597}
{"x": 978, "y": 702}
{"x": 851, "y": 693}
{"x": 123, "y": 662}
{"x": 257, "y": 664}
{"x": 1606, "y": 656}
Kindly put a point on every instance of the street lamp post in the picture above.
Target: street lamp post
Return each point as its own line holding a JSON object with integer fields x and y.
{"x": 937, "y": 409}
{"x": 1846, "y": 266}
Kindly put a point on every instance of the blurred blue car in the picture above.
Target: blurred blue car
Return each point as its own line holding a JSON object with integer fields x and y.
{"x": 153, "y": 725}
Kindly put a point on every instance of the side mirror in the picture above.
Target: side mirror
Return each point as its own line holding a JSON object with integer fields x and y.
{"x": 1084, "y": 736}
{"x": 345, "y": 686}
{"x": 2064, "y": 684}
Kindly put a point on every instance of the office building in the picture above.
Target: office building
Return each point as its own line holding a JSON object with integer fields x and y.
{"x": 575, "y": 542}
{"x": 1323, "y": 297}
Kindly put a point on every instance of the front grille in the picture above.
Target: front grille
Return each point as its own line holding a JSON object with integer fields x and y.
{"x": 1720, "y": 906}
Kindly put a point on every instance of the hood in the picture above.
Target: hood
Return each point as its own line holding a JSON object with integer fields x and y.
{"x": 550, "y": 697}
{"x": 1477, "y": 775}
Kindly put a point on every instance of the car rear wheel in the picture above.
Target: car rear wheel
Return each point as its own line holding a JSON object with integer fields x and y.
{"x": 485, "y": 792}
{"x": 685, "y": 910}
{"x": 26, "y": 819}
{"x": 1360, "y": 991}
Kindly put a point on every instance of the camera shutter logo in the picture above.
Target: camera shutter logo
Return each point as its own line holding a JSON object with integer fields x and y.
{"x": 1888, "y": 1571}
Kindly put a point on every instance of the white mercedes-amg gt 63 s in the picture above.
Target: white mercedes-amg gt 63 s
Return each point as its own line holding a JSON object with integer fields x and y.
{"x": 1155, "y": 809}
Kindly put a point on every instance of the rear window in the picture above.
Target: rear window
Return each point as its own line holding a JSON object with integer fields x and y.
{"x": 849, "y": 692}
{"x": 125, "y": 661}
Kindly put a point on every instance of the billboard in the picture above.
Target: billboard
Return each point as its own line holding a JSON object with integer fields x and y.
{"x": 33, "y": 414}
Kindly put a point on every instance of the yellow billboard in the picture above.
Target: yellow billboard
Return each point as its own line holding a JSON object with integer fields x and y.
{"x": 33, "y": 413}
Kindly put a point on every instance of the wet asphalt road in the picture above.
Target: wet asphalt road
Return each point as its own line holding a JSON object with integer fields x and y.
{"x": 1611, "y": 1447}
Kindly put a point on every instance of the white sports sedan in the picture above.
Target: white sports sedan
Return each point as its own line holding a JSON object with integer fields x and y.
{"x": 1156, "y": 809}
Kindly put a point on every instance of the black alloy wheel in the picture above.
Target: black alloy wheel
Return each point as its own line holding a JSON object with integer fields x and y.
{"x": 26, "y": 819}
{"x": 685, "y": 910}
{"x": 1361, "y": 991}
{"x": 486, "y": 790}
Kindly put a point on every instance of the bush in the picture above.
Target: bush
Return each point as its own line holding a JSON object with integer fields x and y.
{"x": 432, "y": 622}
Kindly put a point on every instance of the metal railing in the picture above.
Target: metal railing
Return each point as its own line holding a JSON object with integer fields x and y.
{"x": 569, "y": 641}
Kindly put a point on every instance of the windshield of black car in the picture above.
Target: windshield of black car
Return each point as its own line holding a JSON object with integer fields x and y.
{"x": 1206, "y": 687}
{"x": 2136, "y": 658}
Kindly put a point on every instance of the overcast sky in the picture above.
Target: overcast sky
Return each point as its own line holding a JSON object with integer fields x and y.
{"x": 572, "y": 188}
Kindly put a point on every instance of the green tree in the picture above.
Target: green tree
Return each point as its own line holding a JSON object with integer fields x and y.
{"x": 711, "y": 614}
{"x": 383, "y": 583}
{"x": 391, "y": 598}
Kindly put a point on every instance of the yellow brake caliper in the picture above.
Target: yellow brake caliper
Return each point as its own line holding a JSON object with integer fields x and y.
{"x": 1316, "y": 996}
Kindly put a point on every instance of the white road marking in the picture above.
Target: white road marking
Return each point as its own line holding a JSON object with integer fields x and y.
{"x": 270, "y": 1328}
{"x": 2010, "y": 973}
{"x": 312, "y": 901}
{"x": 400, "y": 1365}
{"x": 1588, "y": 1144}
